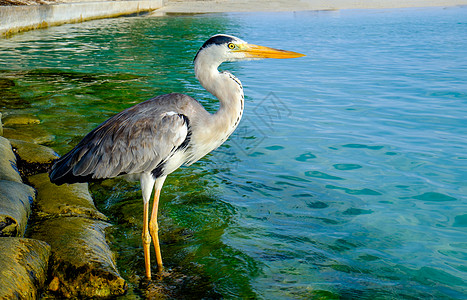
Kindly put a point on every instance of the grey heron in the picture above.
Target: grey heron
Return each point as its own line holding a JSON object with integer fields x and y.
{"x": 154, "y": 138}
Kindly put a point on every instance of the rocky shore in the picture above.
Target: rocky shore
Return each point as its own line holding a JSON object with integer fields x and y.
{"x": 52, "y": 238}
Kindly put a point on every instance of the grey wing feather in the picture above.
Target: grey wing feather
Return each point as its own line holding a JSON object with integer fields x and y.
{"x": 136, "y": 140}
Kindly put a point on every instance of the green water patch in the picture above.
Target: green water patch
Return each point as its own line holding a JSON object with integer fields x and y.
{"x": 322, "y": 175}
{"x": 362, "y": 146}
{"x": 364, "y": 191}
{"x": 460, "y": 221}
{"x": 434, "y": 197}
{"x": 9, "y": 94}
{"x": 317, "y": 205}
{"x": 346, "y": 167}
{"x": 368, "y": 257}
{"x": 327, "y": 221}
{"x": 274, "y": 148}
{"x": 292, "y": 178}
{"x": 305, "y": 156}
{"x": 192, "y": 222}
{"x": 68, "y": 103}
{"x": 357, "y": 211}
{"x": 432, "y": 276}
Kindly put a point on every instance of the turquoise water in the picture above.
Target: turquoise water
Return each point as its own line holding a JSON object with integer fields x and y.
{"x": 346, "y": 178}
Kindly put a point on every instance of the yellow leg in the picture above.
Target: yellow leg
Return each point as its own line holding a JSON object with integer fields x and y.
{"x": 146, "y": 241}
{"x": 154, "y": 228}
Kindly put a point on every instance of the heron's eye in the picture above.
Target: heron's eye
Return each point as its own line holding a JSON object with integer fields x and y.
{"x": 231, "y": 46}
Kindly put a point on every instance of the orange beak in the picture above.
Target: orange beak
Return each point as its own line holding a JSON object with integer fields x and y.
{"x": 255, "y": 51}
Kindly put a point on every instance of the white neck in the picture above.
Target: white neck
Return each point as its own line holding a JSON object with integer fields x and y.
{"x": 228, "y": 89}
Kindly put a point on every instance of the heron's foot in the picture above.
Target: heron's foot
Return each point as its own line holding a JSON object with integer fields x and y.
{"x": 153, "y": 289}
{"x": 160, "y": 268}
{"x": 162, "y": 273}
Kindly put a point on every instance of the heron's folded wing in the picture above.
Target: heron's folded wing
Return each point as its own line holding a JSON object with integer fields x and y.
{"x": 132, "y": 144}
{"x": 133, "y": 141}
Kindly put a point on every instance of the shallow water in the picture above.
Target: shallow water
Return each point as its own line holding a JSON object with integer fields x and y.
{"x": 346, "y": 178}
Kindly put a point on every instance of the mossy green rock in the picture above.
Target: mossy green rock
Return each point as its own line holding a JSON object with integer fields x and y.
{"x": 1, "y": 125}
{"x": 82, "y": 265}
{"x": 8, "y": 168}
{"x": 15, "y": 207}
{"x": 64, "y": 200}
{"x": 22, "y": 119}
{"x": 23, "y": 267}
{"x": 33, "y": 158}
{"x": 30, "y": 133}
{"x": 32, "y": 153}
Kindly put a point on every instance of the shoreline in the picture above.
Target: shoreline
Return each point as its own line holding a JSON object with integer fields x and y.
{"x": 19, "y": 18}
{"x": 24, "y": 15}
{"x": 220, "y": 6}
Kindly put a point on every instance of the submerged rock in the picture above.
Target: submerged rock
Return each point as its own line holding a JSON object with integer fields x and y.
{"x": 34, "y": 153}
{"x": 21, "y": 119}
{"x": 23, "y": 267}
{"x": 82, "y": 264}
{"x": 8, "y": 168}
{"x": 6, "y": 83}
{"x": 10, "y": 95}
{"x": 30, "y": 133}
{"x": 34, "y": 158}
{"x": 15, "y": 207}
{"x": 64, "y": 200}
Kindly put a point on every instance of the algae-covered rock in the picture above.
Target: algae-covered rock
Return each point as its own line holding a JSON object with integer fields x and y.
{"x": 8, "y": 169}
{"x": 82, "y": 264}
{"x": 32, "y": 153}
{"x": 21, "y": 119}
{"x": 29, "y": 133}
{"x": 64, "y": 200}
{"x": 1, "y": 125}
{"x": 33, "y": 158}
{"x": 15, "y": 207}
{"x": 6, "y": 83}
{"x": 23, "y": 267}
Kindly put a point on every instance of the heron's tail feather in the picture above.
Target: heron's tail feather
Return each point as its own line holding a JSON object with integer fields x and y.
{"x": 62, "y": 171}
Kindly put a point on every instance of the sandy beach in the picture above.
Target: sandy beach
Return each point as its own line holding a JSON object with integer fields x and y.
{"x": 213, "y": 6}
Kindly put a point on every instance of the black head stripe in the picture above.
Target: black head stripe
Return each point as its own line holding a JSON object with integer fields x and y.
{"x": 218, "y": 40}
{"x": 215, "y": 40}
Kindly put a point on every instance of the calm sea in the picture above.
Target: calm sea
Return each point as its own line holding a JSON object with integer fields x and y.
{"x": 346, "y": 178}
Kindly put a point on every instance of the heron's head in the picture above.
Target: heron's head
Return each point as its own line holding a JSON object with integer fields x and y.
{"x": 222, "y": 47}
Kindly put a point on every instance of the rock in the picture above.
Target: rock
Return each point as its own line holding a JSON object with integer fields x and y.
{"x": 30, "y": 133}
{"x": 8, "y": 168}
{"x": 15, "y": 207}
{"x": 34, "y": 153}
{"x": 1, "y": 125}
{"x": 23, "y": 267}
{"x": 64, "y": 200}
{"x": 12, "y": 98}
{"x": 82, "y": 264}
{"x": 6, "y": 83}
{"x": 21, "y": 119}
{"x": 33, "y": 158}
